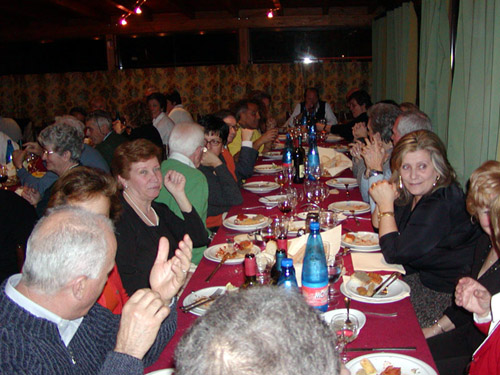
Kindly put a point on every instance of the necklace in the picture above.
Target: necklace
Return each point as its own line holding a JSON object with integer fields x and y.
{"x": 142, "y": 213}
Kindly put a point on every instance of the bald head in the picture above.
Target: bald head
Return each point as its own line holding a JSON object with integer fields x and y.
{"x": 187, "y": 138}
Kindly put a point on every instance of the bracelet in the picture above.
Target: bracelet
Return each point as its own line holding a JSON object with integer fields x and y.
{"x": 436, "y": 322}
{"x": 387, "y": 213}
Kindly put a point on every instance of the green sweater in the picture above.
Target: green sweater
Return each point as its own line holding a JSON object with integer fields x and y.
{"x": 196, "y": 191}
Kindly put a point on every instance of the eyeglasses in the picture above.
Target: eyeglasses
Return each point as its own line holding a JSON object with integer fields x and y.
{"x": 213, "y": 142}
{"x": 47, "y": 152}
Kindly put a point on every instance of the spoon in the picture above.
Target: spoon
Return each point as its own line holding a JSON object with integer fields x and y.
{"x": 347, "y": 302}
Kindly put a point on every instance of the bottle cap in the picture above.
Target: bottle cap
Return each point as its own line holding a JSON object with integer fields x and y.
{"x": 314, "y": 225}
{"x": 286, "y": 262}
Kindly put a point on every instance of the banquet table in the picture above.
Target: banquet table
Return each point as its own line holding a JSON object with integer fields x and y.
{"x": 400, "y": 331}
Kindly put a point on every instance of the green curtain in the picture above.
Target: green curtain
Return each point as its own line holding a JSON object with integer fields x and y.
{"x": 395, "y": 51}
{"x": 474, "y": 118}
{"x": 435, "y": 64}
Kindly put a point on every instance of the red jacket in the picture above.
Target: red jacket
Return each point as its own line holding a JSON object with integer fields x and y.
{"x": 486, "y": 359}
{"x": 113, "y": 296}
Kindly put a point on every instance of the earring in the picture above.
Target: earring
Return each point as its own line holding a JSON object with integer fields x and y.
{"x": 435, "y": 182}
{"x": 400, "y": 183}
{"x": 125, "y": 186}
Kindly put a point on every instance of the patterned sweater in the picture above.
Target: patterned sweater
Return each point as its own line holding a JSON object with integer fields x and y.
{"x": 30, "y": 345}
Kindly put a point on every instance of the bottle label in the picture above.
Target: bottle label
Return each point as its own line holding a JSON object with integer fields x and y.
{"x": 315, "y": 296}
{"x": 286, "y": 165}
{"x": 282, "y": 244}
{"x": 301, "y": 171}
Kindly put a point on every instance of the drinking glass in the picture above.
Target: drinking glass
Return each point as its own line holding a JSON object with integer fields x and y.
{"x": 346, "y": 332}
{"x": 3, "y": 174}
{"x": 335, "y": 265}
{"x": 281, "y": 179}
{"x": 287, "y": 204}
{"x": 281, "y": 224}
{"x": 328, "y": 219}
{"x": 269, "y": 233}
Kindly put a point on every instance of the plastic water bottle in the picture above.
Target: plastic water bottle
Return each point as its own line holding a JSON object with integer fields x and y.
{"x": 287, "y": 153}
{"x": 8, "y": 153}
{"x": 315, "y": 271}
{"x": 287, "y": 279}
{"x": 313, "y": 158}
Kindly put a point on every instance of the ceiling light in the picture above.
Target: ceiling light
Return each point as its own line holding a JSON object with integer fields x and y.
{"x": 270, "y": 14}
{"x": 307, "y": 60}
{"x": 123, "y": 22}
{"x": 138, "y": 10}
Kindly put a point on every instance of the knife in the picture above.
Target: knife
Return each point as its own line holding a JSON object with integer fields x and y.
{"x": 223, "y": 260}
{"x": 386, "y": 283}
{"x": 402, "y": 348}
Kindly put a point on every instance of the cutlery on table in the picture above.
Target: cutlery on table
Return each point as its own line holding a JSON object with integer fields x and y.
{"x": 255, "y": 207}
{"x": 202, "y": 301}
{"x": 347, "y": 194}
{"x": 222, "y": 261}
{"x": 347, "y": 302}
{"x": 354, "y": 217}
{"x": 381, "y": 349}
{"x": 394, "y": 276}
{"x": 387, "y": 315}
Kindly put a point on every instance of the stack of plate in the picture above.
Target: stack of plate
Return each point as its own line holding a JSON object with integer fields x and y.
{"x": 396, "y": 292}
{"x": 359, "y": 207}
{"x": 230, "y": 223}
{"x": 340, "y": 182}
{"x": 356, "y": 246}
{"x": 195, "y": 296}
{"x": 271, "y": 200}
{"x": 267, "y": 168}
{"x": 260, "y": 186}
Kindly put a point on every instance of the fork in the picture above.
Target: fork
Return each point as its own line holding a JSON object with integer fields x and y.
{"x": 255, "y": 207}
{"x": 203, "y": 300}
{"x": 354, "y": 217}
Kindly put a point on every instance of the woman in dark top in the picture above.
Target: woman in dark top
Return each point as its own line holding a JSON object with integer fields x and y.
{"x": 454, "y": 337}
{"x": 423, "y": 223}
{"x": 138, "y": 119}
{"x": 136, "y": 166}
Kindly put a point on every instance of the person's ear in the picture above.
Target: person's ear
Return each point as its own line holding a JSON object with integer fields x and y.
{"x": 78, "y": 287}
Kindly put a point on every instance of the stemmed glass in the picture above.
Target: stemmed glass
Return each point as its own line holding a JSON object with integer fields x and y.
{"x": 335, "y": 265}
{"x": 346, "y": 332}
{"x": 287, "y": 204}
{"x": 3, "y": 174}
{"x": 328, "y": 219}
{"x": 281, "y": 179}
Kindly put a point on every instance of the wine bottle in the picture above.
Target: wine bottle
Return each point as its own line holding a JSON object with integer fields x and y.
{"x": 250, "y": 271}
{"x": 287, "y": 153}
{"x": 276, "y": 270}
{"x": 299, "y": 157}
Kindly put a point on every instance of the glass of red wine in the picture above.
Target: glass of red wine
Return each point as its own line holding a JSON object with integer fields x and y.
{"x": 286, "y": 204}
{"x": 335, "y": 265}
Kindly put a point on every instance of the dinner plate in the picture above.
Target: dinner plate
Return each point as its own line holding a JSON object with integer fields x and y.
{"x": 357, "y": 244}
{"x": 332, "y": 315}
{"x": 267, "y": 168}
{"x": 195, "y": 296}
{"x": 271, "y": 200}
{"x": 295, "y": 226}
{"x": 397, "y": 291}
{"x": 210, "y": 254}
{"x": 274, "y": 155}
{"x": 260, "y": 186}
{"x": 282, "y": 137}
{"x": 339, "y": 147}
{"x": 380, "y": 361}
{"x": 340, "y": 182}
{"x": 166, "y": 371}
{"x": 230, "y": 224}
{"x": 359, "y": 207}
{"x": 332, "y": 138}
{"x": 278, "y": 146}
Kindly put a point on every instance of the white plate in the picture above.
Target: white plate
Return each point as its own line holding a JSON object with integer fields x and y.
{"x": 193, "y": 297}
{"x": 330, "y": 316}
{"x": 339, "y": 147}
{"x": 260, "y": 186}
{"x": 303, "y": 215}
{"x": 267, "y": 168}
{"x": 332, "y": 138}
{"x": 230, "y": 224}
{"x": 408, "y": 365}
{"x": 271, "y": 200}
{"x": 210, "y": 254}
{"x": 340, "y": 182}
{"x": 295, "y": 226}
{"x": 274, "y": 155}
{"x": 278, "y": 146}
{"x": 363, "y": 235}
{"x": 359, "y": 207}
{"x": 397, "y": 291}
{"x": 167, "y": 371}
{"x": 282, "y": 137}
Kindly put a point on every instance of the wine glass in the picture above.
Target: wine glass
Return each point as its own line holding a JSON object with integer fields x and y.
{"x": 346, "y": 331}
{"x": 269, "y": 233}
{"x": 281, "y": 179}
{"x": 328, "y": 219}
{"x": 286, "y": 204}
{"x": 335, "y": 265}
{"x": 3, "y": 174}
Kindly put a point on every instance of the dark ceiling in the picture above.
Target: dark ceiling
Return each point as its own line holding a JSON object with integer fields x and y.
{"x": 55, "y": 19}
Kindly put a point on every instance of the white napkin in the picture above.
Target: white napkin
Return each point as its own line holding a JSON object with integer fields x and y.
{"x": 372, "y": 262}
{"x": 332, "y": 161}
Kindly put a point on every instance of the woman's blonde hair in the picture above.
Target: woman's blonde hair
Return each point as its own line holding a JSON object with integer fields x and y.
{"x": 495, "y": 220}
{"x": 416, "y": 141}
{"x": 484, "y": 186}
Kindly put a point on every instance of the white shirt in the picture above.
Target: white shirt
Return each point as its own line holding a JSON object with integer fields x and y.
{"x": 164, "y": 125}
{"x": 182, "y": 158}
{"x": 67, "y": 328}
{"x": 329, "y": 116}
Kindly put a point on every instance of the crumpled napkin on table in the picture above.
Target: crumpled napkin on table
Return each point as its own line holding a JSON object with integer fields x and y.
{"x": 332, "y": 161}
{"x": 373, "y": 262}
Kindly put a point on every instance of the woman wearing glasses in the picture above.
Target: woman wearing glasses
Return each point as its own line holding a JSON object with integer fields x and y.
{"x": 223, "y": 190}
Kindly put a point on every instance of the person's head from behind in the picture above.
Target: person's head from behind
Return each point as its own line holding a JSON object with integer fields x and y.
{"x": 137, "y": 114}
{"x": 408, "y": 122}
{"x": 157, "y": 104}
{"x": 79, "y": 113}
{"x": 88, "y": 188}
{"x": 243, "y": 334}
{"x": 62, "y": 146}
{"x": 216, "y": 133}
{"x": 484, "y": 188}
{"x": 229, "y": 118}
{"x": 188, "y": 139}
{"x": 247, "y": 113}
{"x": 420, "y": 166}
{"x": 98, "y": 125}
{"x": 381, "y": 118}
{"x": 408, "y": 107}
{"x": 173, "y": 99}
{"x": 136, "y": 167}
{"x": 359, "y": 102}
{"x": 70, "y": 254}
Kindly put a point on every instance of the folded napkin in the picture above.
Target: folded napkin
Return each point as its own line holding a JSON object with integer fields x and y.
{"x": 332, "y": 161}
{"x": 372, "y": 262}
{"x": 297, "y": 248}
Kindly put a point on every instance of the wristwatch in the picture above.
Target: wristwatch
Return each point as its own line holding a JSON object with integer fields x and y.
{"x": 374, "y": 173}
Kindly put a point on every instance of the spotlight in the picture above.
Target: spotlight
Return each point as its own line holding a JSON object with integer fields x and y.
{"x": 307, "y": 60}
{"x": 138, "y": 10}
{"x": 270, "y": 14}
{"x": 123, "y": 22}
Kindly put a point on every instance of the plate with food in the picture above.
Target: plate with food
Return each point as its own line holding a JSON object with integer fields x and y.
{"x": 237, "y": 252}
{"x": 350, "y": 207}
{"x": 267, "y": 168}
{"x": 362, "y": 284}
{"x": 388, "y": 364}
{"x": 271, "y": 200}
{"x": 361, "y": 241}
{"x": 260, "y": 186}
{"x": 332, "y": 315}
{"x": 295, "y": 226}
{"x": 278, "y": 146}
{"x": 273, "y": 155}
{"x": 282, "y": 137}
{"x": 341, "y": 182}
{"x": 246, "y": 222}
{"x": 339, "y": 147}
{"x": 199, "y": 295}
{"x": 333, "y": 138}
